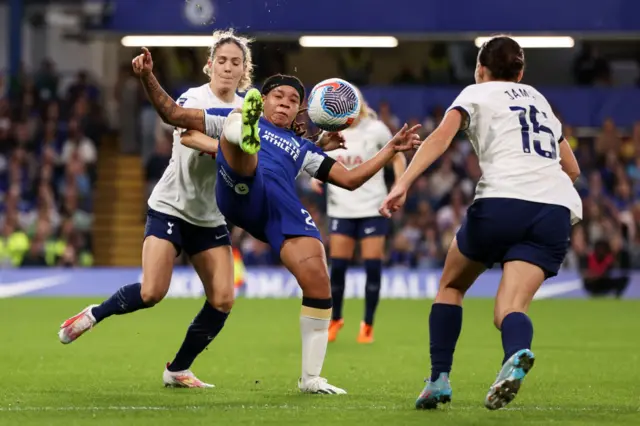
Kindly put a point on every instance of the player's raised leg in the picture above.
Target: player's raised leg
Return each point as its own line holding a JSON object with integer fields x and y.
{"x": 372, "y": 249}
{"x": 341, "y": 249}
{"x": 157, "y": 267}
{"x": 241, "y": 139}
{"x": 305, "y": 259}
{"x": 215, "y": 269}
{"x": 445, "y": 324}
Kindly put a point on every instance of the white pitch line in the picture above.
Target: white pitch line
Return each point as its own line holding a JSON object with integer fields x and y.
{"x": 297, "y": 408}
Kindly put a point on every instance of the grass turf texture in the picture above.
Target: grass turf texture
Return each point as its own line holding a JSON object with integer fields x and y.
{"x": 587, "y": 367}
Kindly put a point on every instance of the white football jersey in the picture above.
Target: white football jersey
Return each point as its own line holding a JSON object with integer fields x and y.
{"x": 187, "y": 187}
{"x": 516, "y": 136}
{"x": 362, "y": 143}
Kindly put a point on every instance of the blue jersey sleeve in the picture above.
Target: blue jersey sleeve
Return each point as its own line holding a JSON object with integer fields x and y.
{"x": 214, "y": 121}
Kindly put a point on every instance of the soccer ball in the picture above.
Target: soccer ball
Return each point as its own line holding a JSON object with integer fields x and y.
{"x": 334, "y": 105}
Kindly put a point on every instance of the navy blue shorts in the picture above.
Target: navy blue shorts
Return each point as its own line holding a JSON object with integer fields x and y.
{"x": 376, "y": 226}
{"x": 498, "y": 230}
{"x": 265, "y": 205}
{"x": 184, "y": 235}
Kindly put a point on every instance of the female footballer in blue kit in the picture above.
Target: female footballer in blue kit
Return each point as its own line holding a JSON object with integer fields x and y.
{"x": 257, "y": 192}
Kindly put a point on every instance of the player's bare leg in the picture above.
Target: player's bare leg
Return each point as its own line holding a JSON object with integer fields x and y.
{"x": 305, "y": 258}
{"x": 157, "y": 267}
{"x": 520, "y": 282}
{"x": 241, "y": 140}
{"x": 372, "y": 249}
{"x": 215, "y": 270}
{"x": 341, "y": 248}
{"x": 445, "y": 324}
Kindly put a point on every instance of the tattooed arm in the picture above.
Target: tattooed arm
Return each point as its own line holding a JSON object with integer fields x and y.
{"x": 170, "y": 112}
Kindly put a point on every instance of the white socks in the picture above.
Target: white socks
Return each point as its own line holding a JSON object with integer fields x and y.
{"x": 232, "y": 129}
{"x": 315, "y": 338}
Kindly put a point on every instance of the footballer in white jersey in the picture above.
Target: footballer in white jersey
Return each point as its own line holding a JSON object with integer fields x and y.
{"x": 187, "y": 187}
{"x": 521, "y": 218}
{"x": 183, "y": 215}
{"x": 354, "y": 217}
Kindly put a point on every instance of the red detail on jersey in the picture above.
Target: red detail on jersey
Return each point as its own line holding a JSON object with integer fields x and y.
{"x": 350, "y": 161}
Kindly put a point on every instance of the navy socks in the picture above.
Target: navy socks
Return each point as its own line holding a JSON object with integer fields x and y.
{"x": 203, "y": 329}
{"x": 373, "y": 269}
{"x": 124, "y": 301}
{"x": 517, "y": 333}
{"x": 445, "y": 324}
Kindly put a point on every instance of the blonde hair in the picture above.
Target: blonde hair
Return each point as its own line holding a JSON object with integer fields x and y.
{"x": 365, "y": 110}
{"x": 223, "y": 37}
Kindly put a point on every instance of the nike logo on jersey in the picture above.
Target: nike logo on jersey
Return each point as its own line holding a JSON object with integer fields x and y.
{"x": 218, "y": 237}
{"x": 368, "y": 231}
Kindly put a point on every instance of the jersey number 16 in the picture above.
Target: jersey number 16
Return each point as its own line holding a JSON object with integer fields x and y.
{"x": 535, "y": 129}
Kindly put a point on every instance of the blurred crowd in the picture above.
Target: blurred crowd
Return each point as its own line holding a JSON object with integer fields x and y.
{"x": 49, "y": 127}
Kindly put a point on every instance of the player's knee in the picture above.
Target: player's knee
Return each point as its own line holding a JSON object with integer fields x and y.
{"x": 223, "y": 300}
{"x": 151, "y": 296}
{"x": 316, "y": 283}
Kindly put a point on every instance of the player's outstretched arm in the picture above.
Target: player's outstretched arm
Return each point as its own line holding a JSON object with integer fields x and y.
{"x": 404, "y": 140}
{"x": 199, "y": 141}
{"x": 170, "y": 112}
{"x": 431, "y": 149}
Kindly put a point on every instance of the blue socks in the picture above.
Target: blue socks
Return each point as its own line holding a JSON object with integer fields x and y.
{"x": 517, "y": 333}
{"x": 338, "y": 275}
{"x": 445, "y": 323}
{"x": 203, "y": 329}
{"x": 124, "y": 301}
{"x": 373, "y": 269}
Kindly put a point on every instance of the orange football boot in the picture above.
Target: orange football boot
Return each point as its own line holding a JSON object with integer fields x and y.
{"x": 366, "y": 333}
{"x": 334, "y": 328}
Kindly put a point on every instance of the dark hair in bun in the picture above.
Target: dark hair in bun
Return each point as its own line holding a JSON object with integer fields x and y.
{"x": 503, "y": 56}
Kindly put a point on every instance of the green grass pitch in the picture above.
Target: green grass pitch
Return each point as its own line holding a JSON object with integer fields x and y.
{"x": 587, "y": 367}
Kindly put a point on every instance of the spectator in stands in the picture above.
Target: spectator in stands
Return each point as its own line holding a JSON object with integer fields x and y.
{"x": 35, "y": 257}
{"x": 355, "y": 65}
{"x": 600, "y": 276}
{"x": 438, "y": 70}
{"x": 406, "y": 76}
{"x": 47, "y": 81}
{"x": 14, "y": 243}
{"x": 442, "y": 180}
{"x": 388, "y": 117}
{"x": 608, "y": 139}
{"x": 590, "y": 68}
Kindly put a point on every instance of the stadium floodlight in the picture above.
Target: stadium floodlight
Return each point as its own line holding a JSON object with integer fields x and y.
{"x": 532, "y": 42}
{"x": 348, "y": 41}
{"x": 166, "y": 41}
